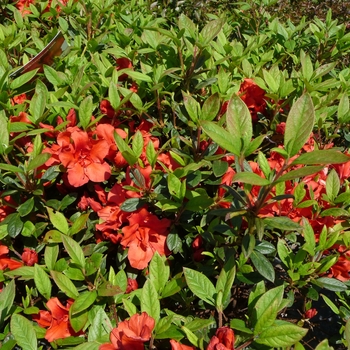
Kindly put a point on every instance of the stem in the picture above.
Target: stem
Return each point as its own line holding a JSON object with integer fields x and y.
{"x": 248, "y": 342}
{"x": 159, "y": 107}
{"x": 220, "y": 318}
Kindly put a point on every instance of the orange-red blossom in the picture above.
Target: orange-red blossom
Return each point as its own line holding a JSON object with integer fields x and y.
{"x": 56, "y": 320}
{"x": 131, "y": 334}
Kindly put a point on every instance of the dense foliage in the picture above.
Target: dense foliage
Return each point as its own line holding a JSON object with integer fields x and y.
{"x": 172, "y": 179}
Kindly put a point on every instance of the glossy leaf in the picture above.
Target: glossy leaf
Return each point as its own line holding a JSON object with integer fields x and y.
{"x": 281, "y": 334}
{"x": 74, "y": 250}
{"x": 263, "y": 265}
{"x": 150, "y": 301}
{"x": 58, "y": 220}
{"x": 42, "y": 282}
{"x": 327, "y": 156}
{"x": 65, "y": 284}
{"x": 200, "y": 285}
{"x": 239, "y": 122}
{"x": 250, "y": 178}
{"x": 210, "y": 107}
{"x": 299, "y": 124}
{"x": 222, "y": 137}
{"x": 266, "y": 308}
{"x": 159, "y": 272}
{"x": 83, "y": 302}
{"x": 24, "y": 333}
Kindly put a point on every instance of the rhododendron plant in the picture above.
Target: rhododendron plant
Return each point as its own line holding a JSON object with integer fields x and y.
{"x": 172, "y": 183}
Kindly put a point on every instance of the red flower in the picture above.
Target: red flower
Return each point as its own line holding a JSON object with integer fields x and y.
{"x": 254, "y": 97}
{"x": 6, "y": 262}
{"x": 310, "y": 313}
{"x": 132, "y": 285}
{"x": 19, "y": 99}
{"x": 29, "y": 257}
{"x": 224, "y": 339}
{"x": 56, "y": 320}
{"x": 82, "y": 156}
{"x": 178, "y": 346}
{"x": 123, "y": 63}
{"x": 131, "y": 334}
{"x": 145, "y": 235}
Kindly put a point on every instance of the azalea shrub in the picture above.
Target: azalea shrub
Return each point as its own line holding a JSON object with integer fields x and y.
{"x": 169, "y": 184}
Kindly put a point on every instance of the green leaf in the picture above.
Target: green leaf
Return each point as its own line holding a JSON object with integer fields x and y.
{"x": 7, "y": 297}
{"x": 137, "y": 144}
{"x": 299, "y": 173}
{"x": 65, "y": 284}
{"x": 299, "y": 124}
{"x": 219, "y": 168}
{"x": 193, "y": 339}
{"x": 123, "y": 147}
{"x": 334, "y": 212}
{"x": 22, "y": 79}
{"x": 15, "y": 226}
{"x": 210, "y": 31}
{"x": 199, "y": 203}
{"x": 50, "y": 255}
{"x": 281, "y": 334}
{"x": 132, "y": 204}
{"x": 150, "y": 301}
{"x": 138, "y": 75}
{"x": 151, "y": 154}
{"x": 282, "y": 223}
{"x": 220, "y": 136}
{"x": 200, "y": 285}
{"x": 85, "y": 111}
{"x": 211, "y": 107}
{"x": 25, "y": 272}
{"x": 309, "y": 237}
{"x": 330, "y": 284}
{"x": 42, "y": 282}
{"x": 58, "y": 220}
{"x": 239, "y": 122}
{"x": 83, "y": 302}
{"x": 271, "y": 82}
{"x": 100, "y": 326}
{"x": 12, "y": 168}
{"x": 266, "y": 309}
{"x": 129, "y": 307}
{"x": 159, "y": 272}
{"x": 74, "y": 250}
{"x": 175, "y": 186}
{"x": 346, "y": 333}
{"x": 78, "y": 224}
{"x": 4, "y": 132}
{"x": 240, "y": 325}
{"x": 192, "y": 107}
{"x": 225, "y": 281}
{"x": 343, "y": 108}
{"x": 254, "y": 145}
{"x": 78, "y": 321}
{"x": 263, "y": 265}
{"x": 332, "y": 185}
{"x": 24, "y": 333}
{"x": 328, "y": 156}
{"x": 38, "y": 102}
{"x": 306, "y": 66}
{"x": 26, "y": 207}
{"x": 38, "y": 161}
{"x": 52, "y": 76}
{"x": 330, "y": 303}
{"x": 250, "y": 178}
{"x": 113, "y": 95}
